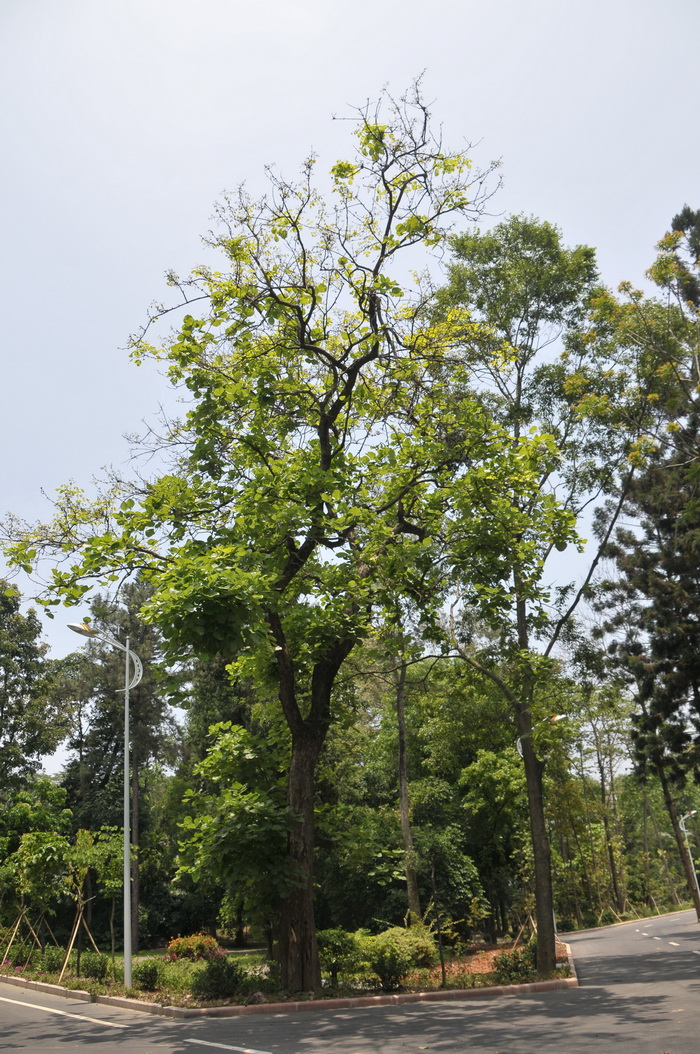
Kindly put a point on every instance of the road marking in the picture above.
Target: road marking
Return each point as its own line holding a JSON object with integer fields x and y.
{"x": 675, "y": 944}
{"x": 656, "y": 938}
{"x": 64, "y": 1013}
{"x": 224, "y": 1046}
{"x": 644, "y": 933}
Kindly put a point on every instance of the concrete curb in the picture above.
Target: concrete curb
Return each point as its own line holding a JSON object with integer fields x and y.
{"x": 351, "y": 1003}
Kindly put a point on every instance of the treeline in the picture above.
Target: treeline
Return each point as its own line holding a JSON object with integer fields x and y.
{"x": 362, "y": 574}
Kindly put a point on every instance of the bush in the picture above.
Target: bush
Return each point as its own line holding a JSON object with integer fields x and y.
{"x": 52, "y": 959}
{"x": 390, "y": 956}
{"x": 197, "y": 946}
{"x": 94, "y": 965}
{"x": 519, "y": 964}
{"x": 218, "y": 979}
{"x": 419, "y": 940}
{"x": 147, "y": 973}
{"x": 339, "y": 952}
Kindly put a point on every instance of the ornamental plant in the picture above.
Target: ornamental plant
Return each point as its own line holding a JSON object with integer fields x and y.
{"x": 196, "y": 946}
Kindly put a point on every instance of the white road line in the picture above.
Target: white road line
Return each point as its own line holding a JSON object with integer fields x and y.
{"x": 224, "y": 1046}
{"x": 64, "y": 1013}
{"x": 675, "y": 944}
{"x": 644, "y": 933}
{"x": 656, "y": 938}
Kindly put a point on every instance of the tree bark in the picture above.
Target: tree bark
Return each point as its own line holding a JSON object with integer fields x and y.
{"x": 404, "y": 805}
{"x": 544, "y": 897}
{"x": 297, "y": 946}
{"x": 686, "y": 860}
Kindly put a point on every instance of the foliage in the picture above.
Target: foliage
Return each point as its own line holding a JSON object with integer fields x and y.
{"x": 53, "y": 958}
{"x": 94, "y": 965}
{"x": 147, "y": 974}
{"x": 196, "y": 946}
{"x": 219, "y": 979}
{"x": 33, "y": 710}
{"x": 517, "y": 964}
{"x": 390, "y": 956}
{"x": 340, "y": 952}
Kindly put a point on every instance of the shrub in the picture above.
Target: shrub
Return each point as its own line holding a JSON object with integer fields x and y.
{"x": 196, "y": 946}
{"x": 52, "y": 959}
{"x": 218, "y": 979}
{"x": 516, "y": 965}
{"x": 147, "y": 973}
{"x": 339, "y": 952}
{"x": 390, "y": 956}
{"x": 94, "y": 965}
{"x": 421, "y": 944}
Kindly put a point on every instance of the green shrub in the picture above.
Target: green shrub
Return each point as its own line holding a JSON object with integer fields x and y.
{"x": 390, "y": 957}
{"x": 147, "y": 974}
{"x": 421, "y": 943}
{"x": 517, "y": 965}
{"x": 218, "y": 979}
{"x": 340, "y": 952}
{"x": 196, "y": 946}
{"x": 52, "y": 959}
{"x": 94, "y": 965}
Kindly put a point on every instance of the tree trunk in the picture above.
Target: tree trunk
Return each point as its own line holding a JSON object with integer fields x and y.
{"x": 297, "y": 947}
{"x": 414, "y": 911}
{"x": 686, "y": 860}
{"x": 544, "y": 898}
{"x": 663, "y": 855}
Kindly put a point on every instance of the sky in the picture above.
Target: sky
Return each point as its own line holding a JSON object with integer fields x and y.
{"x": 123, "y": 121}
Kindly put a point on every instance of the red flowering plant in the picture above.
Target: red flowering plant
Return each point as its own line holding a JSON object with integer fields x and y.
{"x": 196, "y": 946}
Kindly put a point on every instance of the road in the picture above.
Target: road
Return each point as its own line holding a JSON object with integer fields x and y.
{"x": 639, "y": 991}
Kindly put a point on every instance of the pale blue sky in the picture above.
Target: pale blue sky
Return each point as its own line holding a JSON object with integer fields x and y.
{"x": 123, "y": 120}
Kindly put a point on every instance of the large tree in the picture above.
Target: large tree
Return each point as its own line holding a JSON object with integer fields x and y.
{"x": 320, "y": 454}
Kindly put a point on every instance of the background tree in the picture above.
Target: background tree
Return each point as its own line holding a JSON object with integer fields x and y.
{"x": 33, "y": 713}
{"x": 557, "y": 377}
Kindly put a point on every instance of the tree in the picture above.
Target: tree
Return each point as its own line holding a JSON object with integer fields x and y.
{"x": 32, "y": 716}
{"x": 94, "y": 773}
{"x": 559, "y": 377}
{"x": 319, "y": 454}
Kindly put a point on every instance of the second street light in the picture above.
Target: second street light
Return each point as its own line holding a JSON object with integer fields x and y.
{"x": 129, "y": 683}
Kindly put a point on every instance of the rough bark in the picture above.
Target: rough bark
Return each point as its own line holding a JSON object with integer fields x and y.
{"x": 686, "y": 860}
{"x": 297, "y": 946}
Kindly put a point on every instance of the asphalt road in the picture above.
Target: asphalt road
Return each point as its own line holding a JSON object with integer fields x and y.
{"x": 639, "y": 994}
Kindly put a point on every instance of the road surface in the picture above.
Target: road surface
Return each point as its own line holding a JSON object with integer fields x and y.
{"x": 639, "y": 994}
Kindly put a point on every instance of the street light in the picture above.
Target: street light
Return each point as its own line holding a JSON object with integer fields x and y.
{"x": 681, "y": 824}
{"x": 129, "y": 682}
{"x": 553, "y": 720}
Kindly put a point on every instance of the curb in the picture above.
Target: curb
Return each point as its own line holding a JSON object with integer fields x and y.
{"x": 351, "y": 1003}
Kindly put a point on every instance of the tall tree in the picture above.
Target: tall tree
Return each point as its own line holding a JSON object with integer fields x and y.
{"x": 319, "y": 452}
{"x": 548, "y": 370}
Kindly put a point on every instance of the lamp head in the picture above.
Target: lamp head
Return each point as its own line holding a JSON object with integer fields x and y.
{"x": 82, "y": 629}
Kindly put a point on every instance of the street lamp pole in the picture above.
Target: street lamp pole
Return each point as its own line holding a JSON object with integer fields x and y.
{"x": 129, "y": 683}
{"x": 684, "y": 829}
